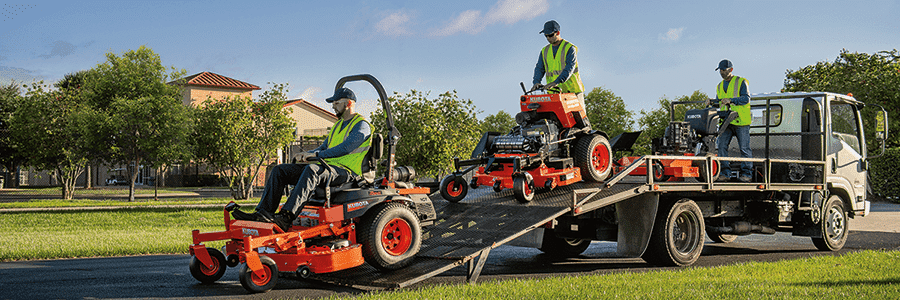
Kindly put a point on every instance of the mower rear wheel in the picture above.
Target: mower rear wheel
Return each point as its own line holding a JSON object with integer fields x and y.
{"x": 523, "y": 188}
{"x": 701, "y": 165}
{"x": 254, "y": 283}
{"x": 207, "y": 274}
{"x": 390, "y": 236}
{"x": 454, "y": 188}
{"x": 593, "y": 155}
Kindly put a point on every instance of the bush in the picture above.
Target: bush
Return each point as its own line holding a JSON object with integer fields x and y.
{"x": 884, "y": 175}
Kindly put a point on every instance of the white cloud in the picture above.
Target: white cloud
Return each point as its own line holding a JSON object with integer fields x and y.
{"x": 672, "y": 35}
{"x": 512, "y": 11}
{"x": 395, "y": 24}
{"x": 506, "y": 11}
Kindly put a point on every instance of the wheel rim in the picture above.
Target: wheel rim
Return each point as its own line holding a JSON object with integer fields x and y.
{"x": 396, "y": 237}
{"x": 210, "y": 271}
{"x": 261, "y": 281}
{"x": 834, "y": 224}
{"x": 454, "y": 189}
{"x": 684, "y": 236}
{"x": 573, "y": 242}
{"x": 527, "y": 187}
{"x": 600, "y": 158}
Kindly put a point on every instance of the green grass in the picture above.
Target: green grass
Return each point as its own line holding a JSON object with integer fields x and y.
{"x": 138, "y": 202}
{"x": 101, "y": 191}
{"x": 859, "y": 275}
{"x": 70, "y": 234}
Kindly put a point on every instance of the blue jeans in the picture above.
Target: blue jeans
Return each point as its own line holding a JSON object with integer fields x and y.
{"x": 742, "y": 133}
{"x": 305, "y": 179}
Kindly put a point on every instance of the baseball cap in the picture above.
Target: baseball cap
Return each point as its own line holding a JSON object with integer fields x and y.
{"x": 550, "y": 27}
{"x": 342, "y": 93}
{"x": 724, "y": 64}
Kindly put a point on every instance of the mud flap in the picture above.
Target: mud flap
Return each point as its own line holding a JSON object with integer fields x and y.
{"x": 635, "y": 217}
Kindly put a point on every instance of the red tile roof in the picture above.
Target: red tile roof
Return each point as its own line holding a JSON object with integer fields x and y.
{"x": 216, "y": 80}
{"x": 310, "y": 105}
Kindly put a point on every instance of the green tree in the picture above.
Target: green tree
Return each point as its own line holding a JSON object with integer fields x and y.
{"x": 654, "y": 122}
{"x": 500, "y": 122}
{"x": 871, "y": 78}
{"x": 10, "y": 156}
{"x": 608, "y": 112}
{"x": 138, "y": 115}
{"x": 237, "y": 136}
{"x": 48, "y": 126}
{"x": 434, "y": 130}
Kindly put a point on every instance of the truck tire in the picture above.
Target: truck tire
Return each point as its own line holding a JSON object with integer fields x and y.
{"x": 593, "y": 156}
{"x": 390, "y": 236}
{"x": 834, "y": 226}
{"x": 678, "y": 235}
{"x": 453, "y": 188}
{"x": 563, "y": 247}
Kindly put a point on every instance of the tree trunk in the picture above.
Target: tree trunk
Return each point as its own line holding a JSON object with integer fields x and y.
{"x": 132, "y": 170}
{"x": 88, "y": 182}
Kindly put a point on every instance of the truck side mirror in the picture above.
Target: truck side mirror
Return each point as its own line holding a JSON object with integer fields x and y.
{"x": 881, "y": 126}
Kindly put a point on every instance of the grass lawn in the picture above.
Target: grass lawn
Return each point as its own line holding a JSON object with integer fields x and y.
{"x": 138, "y": 202}
{"x": 100, "y": 191}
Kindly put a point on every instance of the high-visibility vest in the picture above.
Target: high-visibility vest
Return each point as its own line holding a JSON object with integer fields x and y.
{"x": 353, "y": 160}
{"x": 734, "y": 91}
{"x": 554, "y": 63}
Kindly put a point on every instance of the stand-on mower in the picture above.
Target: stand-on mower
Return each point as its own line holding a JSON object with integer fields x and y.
{"x": 696, "y": 136}
{"x": 553, "y": 145}
{"x": 373, "y": 221}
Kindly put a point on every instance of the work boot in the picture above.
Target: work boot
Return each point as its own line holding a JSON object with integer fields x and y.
{"x": 723, "y": 179}
{"x": 240, "y": 215}
{"x": 744, "y": 179}
{"x": 284, "y": 219}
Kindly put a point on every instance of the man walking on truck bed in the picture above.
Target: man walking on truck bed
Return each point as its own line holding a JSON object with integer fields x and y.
{"x": 733, "y": 93}
{"x": 558, "y": 62}
{"x": 344, "y": 149}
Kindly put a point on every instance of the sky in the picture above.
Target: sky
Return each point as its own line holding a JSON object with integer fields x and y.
{"x": 640, "y": 50}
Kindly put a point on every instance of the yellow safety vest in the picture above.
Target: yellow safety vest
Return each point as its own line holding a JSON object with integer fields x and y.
{"x": 353, "y": 160}
{"x": 734, "y": 91}
{"x": 554, "y": 63}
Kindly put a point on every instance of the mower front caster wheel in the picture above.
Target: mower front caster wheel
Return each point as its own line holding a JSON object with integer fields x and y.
{"x": 208, "y": 274}
{"x": 257, "y": 284}
{"x": 454, "y": 188}
{"x": 523, "y": 188}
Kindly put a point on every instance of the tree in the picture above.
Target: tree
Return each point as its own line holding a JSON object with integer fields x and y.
{"x": 500, "y": 122}
{"x": 608, "y": 112}
{"x": 871, "y": 78}
{"x": 138, "y": 114}
{"x": 48, "y": 126}
{"x": 238, "y": 136}
{"x": 654, "y": 122}
{"x": 434, "y": 130}
{"x": 10, "y": 156}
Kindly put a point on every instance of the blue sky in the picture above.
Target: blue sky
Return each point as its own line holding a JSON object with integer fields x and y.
{"x": 641, "y": 50}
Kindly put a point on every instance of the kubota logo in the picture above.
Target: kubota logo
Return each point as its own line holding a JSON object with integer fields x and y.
{"x": 357, "y": 205}
{"x": 248, "y": 231}
{"x": 540, "y": 99}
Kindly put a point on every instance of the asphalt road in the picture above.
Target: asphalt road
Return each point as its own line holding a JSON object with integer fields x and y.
{"x": 167, "y": 276}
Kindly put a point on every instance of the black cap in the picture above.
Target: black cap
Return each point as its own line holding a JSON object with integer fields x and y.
{"x": 550, "y": 27}
{"x": 724, "y": 64}
{"x": 342, "y": 93}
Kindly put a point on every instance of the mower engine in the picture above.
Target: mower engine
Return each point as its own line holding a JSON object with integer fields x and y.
{"x": 529, "y": 138}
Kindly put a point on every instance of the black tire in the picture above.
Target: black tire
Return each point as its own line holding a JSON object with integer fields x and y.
{"x": 523, "y": 188}
{"x": 834, "y": 226}
{"x": 722, "y": 238}
{"x": 659, "y": 172}
{"x": 206, "y": 274}
{"x": 702, "y": 166}
{"x": 390, "y": 236}
{"x": 593, "y": 155}
{"x": 563, "y": 247}
{"x": 453, "y": 188}
{"x": 677, "y": 238}
{"x": 253, "y": 283}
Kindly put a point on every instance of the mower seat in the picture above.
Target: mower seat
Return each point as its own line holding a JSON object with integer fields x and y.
{"x": 376, "y": 150}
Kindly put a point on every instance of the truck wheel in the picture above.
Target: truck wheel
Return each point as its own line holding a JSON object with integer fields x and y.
{"x": 208, "y": 274}
{"x": 563, "y": 247}
{"x": 722, "y": 238}
{"x": 523, "y": 188}
{"x": 834, "y": 226}
{"x": 677, "y": 238}
{"x": 390, "y": 236}
{"x": 454, "y": 188}
{"x": 593, "y": 156}
{"x": 254, "y": 283}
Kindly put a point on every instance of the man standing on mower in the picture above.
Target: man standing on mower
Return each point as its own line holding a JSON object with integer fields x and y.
{"x": 344, "y": 149}
{"x": 733, "y": 93}
{"x": 557, "y": 61}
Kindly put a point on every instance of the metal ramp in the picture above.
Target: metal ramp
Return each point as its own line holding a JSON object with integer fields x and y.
{"x": 467, "y": 231}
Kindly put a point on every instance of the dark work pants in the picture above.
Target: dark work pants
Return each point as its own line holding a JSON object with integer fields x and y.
{"x": 305, "y": 179}
{"x": 742, "y": 133}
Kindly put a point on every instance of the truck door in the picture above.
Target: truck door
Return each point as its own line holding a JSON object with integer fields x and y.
{"x": 846, "y": 150}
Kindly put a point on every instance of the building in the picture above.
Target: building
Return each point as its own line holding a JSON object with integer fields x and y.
{"x": 204, "y": 85}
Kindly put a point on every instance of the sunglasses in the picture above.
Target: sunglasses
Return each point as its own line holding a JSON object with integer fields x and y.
{"x": 549, "y": 35}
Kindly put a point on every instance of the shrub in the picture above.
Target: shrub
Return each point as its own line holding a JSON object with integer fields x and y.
{"x": 884, "y": 175}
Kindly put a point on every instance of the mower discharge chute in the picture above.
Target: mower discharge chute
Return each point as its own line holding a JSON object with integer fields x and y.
{"x": 368, "y": 221}
{"x": 552, "y": 145}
